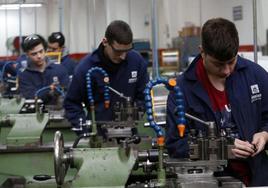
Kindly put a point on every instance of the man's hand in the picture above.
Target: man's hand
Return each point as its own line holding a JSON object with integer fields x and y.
{"x": 243, "y": 149}
{"x": 259, "y": 141}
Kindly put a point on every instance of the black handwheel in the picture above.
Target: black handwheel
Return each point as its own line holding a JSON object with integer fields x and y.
{"x": 60, "y": 159}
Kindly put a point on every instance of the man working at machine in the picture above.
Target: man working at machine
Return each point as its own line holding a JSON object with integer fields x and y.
{"x": 221, "y": 86}
{"x": 126, "y": 69}
{"x": 56, "y": 43}
{"x": 40, "y": 72}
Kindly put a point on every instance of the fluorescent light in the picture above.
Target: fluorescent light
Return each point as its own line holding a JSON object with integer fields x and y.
{"x": 17, "y": 6}
{"x": 30, "y": 5}
{"x": 10, "y": 7}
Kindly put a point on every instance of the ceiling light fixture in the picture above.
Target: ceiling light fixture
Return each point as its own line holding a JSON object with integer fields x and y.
{"x": 17, "y": 6}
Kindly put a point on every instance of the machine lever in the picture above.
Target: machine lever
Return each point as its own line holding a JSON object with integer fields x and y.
{"x": 120, "y": 94}
{"x": 135, "y": 139}
{"x": 84, "y": 135}
{"x": 43, "y": 177}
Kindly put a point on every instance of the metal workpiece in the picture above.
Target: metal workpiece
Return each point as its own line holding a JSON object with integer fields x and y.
{"x": 205, "y": 148}
{"x": 127, "y": 111}
{"x": 210, "y": 146}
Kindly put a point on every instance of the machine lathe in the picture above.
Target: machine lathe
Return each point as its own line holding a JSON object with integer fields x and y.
{"x": 39, "y": 149}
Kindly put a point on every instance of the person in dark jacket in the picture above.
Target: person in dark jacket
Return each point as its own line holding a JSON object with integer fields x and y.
{"x": 127, "y": 72}
{"x": 221, "y": 86}
{"x": 21, "y": 63}
{"x": 40, "y": 72}
{"x": 56, "y": 43}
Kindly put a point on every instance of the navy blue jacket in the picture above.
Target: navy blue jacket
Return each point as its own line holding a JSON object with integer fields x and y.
{"x": 130, "y": 79}
{"x": 249, "y": 110}
{"x": 69, "y": 64}
{"x": 31, "y": 80}
{"x": 9, "y": 68}
{"x": 21, "y": 63}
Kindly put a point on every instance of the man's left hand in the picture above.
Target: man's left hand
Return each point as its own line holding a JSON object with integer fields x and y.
{"x": 259, "y": 141}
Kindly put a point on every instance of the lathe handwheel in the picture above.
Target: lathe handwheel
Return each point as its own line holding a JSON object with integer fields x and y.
{"x": 60, "y": 165}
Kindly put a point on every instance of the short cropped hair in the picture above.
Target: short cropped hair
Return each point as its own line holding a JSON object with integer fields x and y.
{"x": 220, "y": 39}
{"x": 32, "y": 41}
{"x": 120, "y": 32}
{"x": 57, "y": 37}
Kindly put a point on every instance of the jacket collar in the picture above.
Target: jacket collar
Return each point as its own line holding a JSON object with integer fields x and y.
{"x": 197, "y": 88}
{"x": 191, "y": 75}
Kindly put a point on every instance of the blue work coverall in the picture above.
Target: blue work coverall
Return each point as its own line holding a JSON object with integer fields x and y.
{"x": 129, "y": 78}
{"x": 69, "y": 64}
{"x": 32, "y": 80}
{"x": 249, "y": 110}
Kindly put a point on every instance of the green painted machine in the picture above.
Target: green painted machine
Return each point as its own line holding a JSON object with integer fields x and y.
{"x": 26, "y": 147}
{"x": 27, "y": 150}
{"x": 38, "y": 149}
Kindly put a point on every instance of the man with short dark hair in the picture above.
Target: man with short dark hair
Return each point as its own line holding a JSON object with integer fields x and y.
{"x": 221, "y": 86}
{"x": 40, "y": 72}
{"x": 56, "y": 43}
{"x": 127, "y": 71}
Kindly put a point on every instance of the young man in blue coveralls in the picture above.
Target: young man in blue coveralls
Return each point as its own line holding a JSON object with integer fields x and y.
{"x": 56, "y": 43}
{"x": 126, "y": 68}
{"x": 221, "y": 86}
{"x": 40, "y": 72}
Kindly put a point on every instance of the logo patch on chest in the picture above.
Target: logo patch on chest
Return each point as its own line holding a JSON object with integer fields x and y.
{"x": 55, "y": 80}
{"x": 133, "y": 78}
{"x": 255, "y": 93}
{"x": 134, "y": 74}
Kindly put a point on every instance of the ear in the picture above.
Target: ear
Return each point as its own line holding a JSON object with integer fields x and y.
{"x": 201, "y": 50}
{"x": 104, "y": 42}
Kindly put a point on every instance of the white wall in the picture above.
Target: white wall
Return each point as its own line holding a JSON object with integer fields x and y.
{"x": 84, "y": 29}
{"x": 32, "y": 21}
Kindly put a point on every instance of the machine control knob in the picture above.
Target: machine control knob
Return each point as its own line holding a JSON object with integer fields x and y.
{"x": 135, "y": 139}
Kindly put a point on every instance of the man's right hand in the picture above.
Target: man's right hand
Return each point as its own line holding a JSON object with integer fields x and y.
{"x": 243, "y": 149}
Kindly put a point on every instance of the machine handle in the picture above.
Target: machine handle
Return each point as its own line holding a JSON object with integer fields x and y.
{"x": 43, "y": 177}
